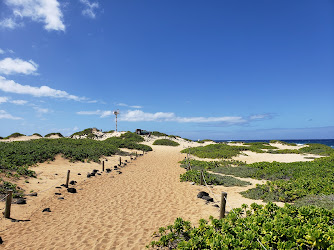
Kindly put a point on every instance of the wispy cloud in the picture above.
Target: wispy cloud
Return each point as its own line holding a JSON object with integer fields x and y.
{"x": 45, "y": 11}
{"x": 10, "y": 23}
{"x": 2, "y": 51}
{"x": 261, "y": 116}
{"x": 5, "y": 115}
{"x": 89, "y": 8}
{"x": 126, "y": 105}
{"x": 4, "y": 99}
{"x": 10, "y": 66}
{"x": 10, "y": 86}
{"x": 139, "y": 115}
{"x": 101, "y": 113}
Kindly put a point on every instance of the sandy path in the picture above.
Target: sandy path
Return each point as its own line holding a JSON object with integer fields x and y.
{"x": 113, "y": 211}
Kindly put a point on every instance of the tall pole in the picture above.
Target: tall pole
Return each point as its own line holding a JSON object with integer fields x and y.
{"x": 116, "y": 122}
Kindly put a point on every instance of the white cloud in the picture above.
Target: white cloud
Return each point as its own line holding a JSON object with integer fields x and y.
{"x": 19, "y": 102}
{"x": 5, "y": 115}
{"x": 126, "y": 105}
{"x": 89, "y": 8}
{"x": 2, "y": 51}
{"x": 139, "y": 115}
{"x": 13, "y": 66}
{"x": 260, "y": 116}
{"x": 41, "y": 110}
{"x": 44, "y": 91}
{"x": 4, "y": 99}
{"x": 101, "y": 113}
{"x": 45, "y": 11}
{"x": 9, "y": 23}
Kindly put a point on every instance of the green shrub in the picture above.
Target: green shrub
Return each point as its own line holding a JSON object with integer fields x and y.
{"x": 50, "y": 134}
{"x": 165, "y": 142}
{"x": 132, "y": 137}
{"x": 257, "y": 227}
{"x": 157, "y": 133}
{"x": 14, "y": 135}
{"x": 87, "y": 131}
{"x": 212, "y": 179}
{"x": 37, "y": 134}
{"x": 324, "y": 201}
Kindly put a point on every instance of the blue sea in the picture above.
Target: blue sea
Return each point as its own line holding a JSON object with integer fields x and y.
{"x": 328, "y": 142}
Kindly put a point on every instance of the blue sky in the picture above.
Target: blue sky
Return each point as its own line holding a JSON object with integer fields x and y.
{"x": 200, "y": 69}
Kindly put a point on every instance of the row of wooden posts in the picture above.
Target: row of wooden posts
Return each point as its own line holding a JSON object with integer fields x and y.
{"x": 9, "y": 197}
{"x": 223, "y": 195}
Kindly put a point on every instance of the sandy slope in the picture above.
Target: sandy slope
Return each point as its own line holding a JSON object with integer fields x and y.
{"x": 112, "y": 211}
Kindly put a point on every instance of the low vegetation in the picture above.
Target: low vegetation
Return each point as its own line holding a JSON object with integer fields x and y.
{"x": 14, "y": 135}
{"x": 212, "y": 179}
{"x": 16, "y": 157}
{"x": 37, "y": 134}
{"x": 166, "y": 142}
{"x": 254, "y": 227}
{"x": 51, "y": 134}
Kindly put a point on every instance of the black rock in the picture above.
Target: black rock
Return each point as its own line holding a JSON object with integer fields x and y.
{"x": 98, "y": 174}
{"x": 88, "y": 175}
{"x": 57, "y": 193}
{"x": 119, "y": 172}
{"x": 79, "y": 174}
{"x": 72, "y": 190}
{"x": 1, "y": 241}
{"x": 61, "y": 198}
{"x": 58, "y": 187}
{"x": 63, "y": 185}
{"x": 21, "y": 201}
{"x": 201, "y": 194}
{"x": 95, "y": 170}
{"x": 108, "y": 170}
{"x": 115, "y": 166}
{"x": 46, "y": 209}
{"x": 207, "y": 198}
{"x": 92, "y": 174}
{"x": 126, "y": 160}
{"x": 32, "y": 194}
{"x": 215, "y": 205}
{"x": 56, "y": 174}
{"x": 73, "y": 182}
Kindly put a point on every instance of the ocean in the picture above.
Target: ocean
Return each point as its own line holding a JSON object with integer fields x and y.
{"x": 328, "y": 142}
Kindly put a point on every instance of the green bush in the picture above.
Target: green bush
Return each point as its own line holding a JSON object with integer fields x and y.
{"x": 87, "y": 131}
{"x": 165, "y": 142}
{"x": 257, "y": 227}
{"x": 37, "y": 134}
{"x": 50, "y": 134}
{"x": 212, "y": 179}
{"x": 132, "y": 137}
{"x": 14, "y": 135}
{"x": 157, "y": 133}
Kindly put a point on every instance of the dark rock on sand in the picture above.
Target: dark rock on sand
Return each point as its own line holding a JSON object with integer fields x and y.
{"x": 21, "y": 201}
{"x": 207, "y": 198}
{"x": 46, "y": 209}
{"x": 72, "y": 190}
{"x": 201, "y": 194}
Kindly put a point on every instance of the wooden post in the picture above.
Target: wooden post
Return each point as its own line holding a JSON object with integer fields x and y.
{"x": 68, "y": 178}
{"x": 136, "y": 154}
{"x": 143, "y": 152}
{"x": 223, "y": 205}
{"x": 8, "y": 203}
{"x": 102, "y": 166}
{"x": 201, "y": 182}
{"x": 120, "y": 161}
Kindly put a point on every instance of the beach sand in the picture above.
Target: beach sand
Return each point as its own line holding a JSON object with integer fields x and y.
{"x": 111, "y": 211}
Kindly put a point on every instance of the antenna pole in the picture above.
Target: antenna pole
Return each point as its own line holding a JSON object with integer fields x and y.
{"x": 116, "y": 122}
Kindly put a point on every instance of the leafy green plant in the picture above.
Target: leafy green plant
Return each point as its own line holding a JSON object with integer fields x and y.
{"x": 253, "y": 227}
{"x": 157, "y": 133}
{"x": 14, "y": 135}
{"x": 50, "y": 134}
{"x": 212, "y": 179}
{"x": 37, "y": 134}
{"x": 165, "y": 142}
